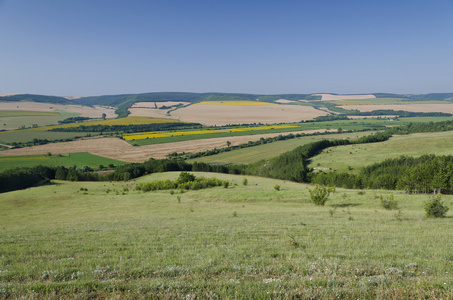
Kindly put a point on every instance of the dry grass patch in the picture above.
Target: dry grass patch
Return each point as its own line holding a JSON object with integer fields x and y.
{"x": 446, "y": 108}
{"x": 330, "y": 97}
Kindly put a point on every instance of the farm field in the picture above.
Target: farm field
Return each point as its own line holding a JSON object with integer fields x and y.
{"x": 267, "y": 151}
{"x": 332, "y": 97}
{"x": 385, "y": 101}
{"x": 220, "y": 115}
{"x": 24, "y": 136}
{"x": 166, "y": 134}
{"x": 343, "y": 158}
{"x": 106, "y": 240}
{"x": 67, "y": 160}
{"x": 11, "y": 120}
{"x": 121, "y": 150}
{"x": 446, "y": 108}
{"x": 83, "y": 111}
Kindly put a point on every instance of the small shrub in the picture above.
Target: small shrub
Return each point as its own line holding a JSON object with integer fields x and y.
{"x": 277, "y": 187}
{"x": 245, "y": 181}
{"x": 320, "y": 194}
{"x": 226, "y": 184}
{"x": 179, "y": 199}
{"x": 388, "y": 202}
{"x": 434, "y": 208}
{"x": 235, "y": 214}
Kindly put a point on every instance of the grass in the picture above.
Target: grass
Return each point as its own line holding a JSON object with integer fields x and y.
{"x": 28, "y": 136}
{"x": 40, "y": 119}
{"x": 15, "y": 113}
{"x": 68, "y": 160}
{"x": 59, "y": 241}
{"x": 267, "y": 151}
{"x": 343, "y": 158}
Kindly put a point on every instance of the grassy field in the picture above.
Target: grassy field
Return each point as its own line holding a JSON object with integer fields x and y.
{"x": 343, "y": 158}
{"x": 28, "y": 119}
{"x": 106, "y": 240}
{"x": 24, "y": 136}
{"x": 13, "y": 113}
{"x": 266, "y": 151}
{"x": 68, "y": 160}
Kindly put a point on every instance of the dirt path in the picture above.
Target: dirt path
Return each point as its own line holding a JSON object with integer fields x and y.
{"x": 118, "y": 149}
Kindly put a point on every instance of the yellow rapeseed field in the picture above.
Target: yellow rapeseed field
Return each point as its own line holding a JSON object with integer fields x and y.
{"x": 237, "y": 103}
{"x": 160, "y": 134}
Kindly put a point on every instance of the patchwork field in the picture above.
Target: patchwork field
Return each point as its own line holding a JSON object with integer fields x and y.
{"x": 121, "y": 150}
{"x": 343, "y": 158}
{"x": 219, "y": 115}
{"x": 106, "y": 240}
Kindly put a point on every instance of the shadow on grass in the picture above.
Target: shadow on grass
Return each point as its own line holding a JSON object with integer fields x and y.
{"x": 346, "y": 205}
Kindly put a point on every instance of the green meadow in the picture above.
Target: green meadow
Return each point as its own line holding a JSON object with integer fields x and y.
{"x": 10, "y": 120}
{"x": 79, "y": 240}
{"x": 267, "y": 151}
{"x": 67, "y": 160}
{"x": 351, "y": 158}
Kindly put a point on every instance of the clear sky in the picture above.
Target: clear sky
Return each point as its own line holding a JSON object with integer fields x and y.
{"x": 99, "y": 47}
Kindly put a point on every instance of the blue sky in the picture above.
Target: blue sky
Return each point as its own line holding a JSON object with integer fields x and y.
{"x": 86, "y": 47}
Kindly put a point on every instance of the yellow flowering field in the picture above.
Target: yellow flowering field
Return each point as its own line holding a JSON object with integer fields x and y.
{"x": 160, "y": 134}
{"x": 237, "y": 103}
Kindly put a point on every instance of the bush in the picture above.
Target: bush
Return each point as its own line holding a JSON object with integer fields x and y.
{"x": 388, "y": 202}
{"x": 320, "y": 194}
{"x": 277, "y": 187}
{"x": 434, "y": 208}
{"x": 245, "y": 181}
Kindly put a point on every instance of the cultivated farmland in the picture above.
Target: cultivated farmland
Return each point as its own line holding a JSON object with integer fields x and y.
{"x": 225, "y": 114}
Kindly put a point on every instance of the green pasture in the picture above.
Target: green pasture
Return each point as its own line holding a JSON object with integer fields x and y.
{"x": 15, "y": 113}
{"x": 68, "y": 160}
{"x": 84, "y": 240}
{"x": 267, "y": 151}
{"x": 29, "y": 119}
{"x": 24, "y": 136}
{"x": 343, "y": 158}
{"x": 384, "y": 101}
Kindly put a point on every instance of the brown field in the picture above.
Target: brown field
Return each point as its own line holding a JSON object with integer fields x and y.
{"x": 330, "y": 97}
{"x": 236, "y": 114}
{"x": 118, "y": 149}
{"x": 84, "y": 111}
{"x": 447, "y": 108}
{"x": 158, "y": 104}
{"x": 284, "y": 101}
